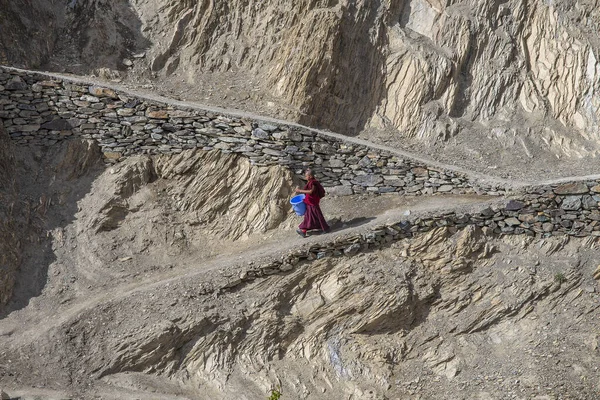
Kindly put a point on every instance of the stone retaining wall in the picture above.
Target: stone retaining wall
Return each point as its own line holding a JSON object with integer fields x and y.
{"x": 567, "y": 209}
{"x": 39, "y": 110}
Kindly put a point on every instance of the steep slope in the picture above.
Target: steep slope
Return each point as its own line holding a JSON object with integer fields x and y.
{"x": 75, "y": 35}
{"x": 426, "y": 69}
{"x": 64, "y": 213}
{"x": 29, "y": 30}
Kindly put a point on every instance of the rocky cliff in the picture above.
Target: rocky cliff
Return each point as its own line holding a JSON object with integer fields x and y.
{"x": 515, "y": 73}
{"x": 447, "y": 314}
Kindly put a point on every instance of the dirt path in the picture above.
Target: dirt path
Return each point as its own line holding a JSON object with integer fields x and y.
{"x": 357, "y": 214}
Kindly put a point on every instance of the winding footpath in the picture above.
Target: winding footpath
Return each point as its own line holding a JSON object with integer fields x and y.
{"x": 28, "y": 325}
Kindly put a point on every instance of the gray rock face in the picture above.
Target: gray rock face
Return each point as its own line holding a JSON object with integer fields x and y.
{"x": 516, "y": 43}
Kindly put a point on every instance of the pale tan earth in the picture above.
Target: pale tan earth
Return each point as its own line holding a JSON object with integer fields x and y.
{"x": 110, "y": 277}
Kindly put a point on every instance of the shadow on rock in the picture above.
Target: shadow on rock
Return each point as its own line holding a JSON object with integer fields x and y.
{"x": 339, "y": 225}
{"x": 48, "y": 184}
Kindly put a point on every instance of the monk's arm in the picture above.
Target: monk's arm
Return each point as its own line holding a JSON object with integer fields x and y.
{"x": 298, "y": 190}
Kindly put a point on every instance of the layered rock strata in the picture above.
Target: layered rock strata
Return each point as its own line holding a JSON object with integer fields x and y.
{"x": 525, "y": 71}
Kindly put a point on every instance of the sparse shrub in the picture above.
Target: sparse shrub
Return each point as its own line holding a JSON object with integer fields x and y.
{"x": 560, "y": 278}
{"x": 275, "y": 394}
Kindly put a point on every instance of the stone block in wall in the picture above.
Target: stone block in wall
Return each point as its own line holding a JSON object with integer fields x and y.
{"x": 29, "y": 128}
{"x": 335, "y": 163}
{"x": 588, "y": 202}
{"x": 445, "y": 188}
{"x": 413, "y": 188}
{"x": 323, "y": 148}
{"x": 267, "y": 127}
{"x": 157, "y": 114}
{"x": 233, "y": 139}
{"x": 273, "y": 152}
{"x": 571, "y": 203}
{"x": 340, "y": 190}
{"x": 420, "y": 172}
{"x": 126, "y": 112}
{"x": 260, "y": 134}
{"x": 58, "y": 124}
{"x": 283, "y": 135}
{"x": 15, "y": 84}
{"x": 102, "y": 92}
{"x": 367, "y": 180}
{"x": 571, "y": 189}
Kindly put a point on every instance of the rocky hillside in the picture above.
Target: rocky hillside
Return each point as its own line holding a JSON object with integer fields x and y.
{"x": 9, "y": 230}
{"x": 516, "y": 73}
{"x": 448, "y": 314}
{"x": 195, "y": 202}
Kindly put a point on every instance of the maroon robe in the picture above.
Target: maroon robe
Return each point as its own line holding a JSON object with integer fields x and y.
{"x": 313, "y": 218}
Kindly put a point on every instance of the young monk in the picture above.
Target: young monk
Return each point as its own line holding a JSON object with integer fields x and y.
{"x": 313, "y": 218}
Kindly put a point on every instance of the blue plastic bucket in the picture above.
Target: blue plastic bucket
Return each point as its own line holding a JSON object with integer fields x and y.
{"x": 298, "y": 205}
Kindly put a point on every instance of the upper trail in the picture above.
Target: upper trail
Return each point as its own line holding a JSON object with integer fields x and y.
{"x": 148, "y": 95}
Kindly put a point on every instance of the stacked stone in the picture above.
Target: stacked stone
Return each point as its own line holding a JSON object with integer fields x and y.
{"x": 569, "y": 209}
{"x": 566, "y": 209}
{"x": 25, "y": 110}
{"x": 37, "y": 110}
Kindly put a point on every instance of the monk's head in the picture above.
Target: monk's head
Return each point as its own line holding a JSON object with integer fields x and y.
{"x": 308, "y": 174}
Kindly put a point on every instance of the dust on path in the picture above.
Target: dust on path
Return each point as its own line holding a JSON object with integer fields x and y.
{"x": 27, "y": 325}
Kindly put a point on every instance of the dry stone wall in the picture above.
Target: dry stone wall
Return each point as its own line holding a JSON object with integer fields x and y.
{"x": 40, "y": 110}
{"x": 567, "y": 209}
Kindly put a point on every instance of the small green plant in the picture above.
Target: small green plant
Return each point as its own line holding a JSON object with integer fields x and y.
{"x": 560, "y": 278}
{"x": 275, "y": 394}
